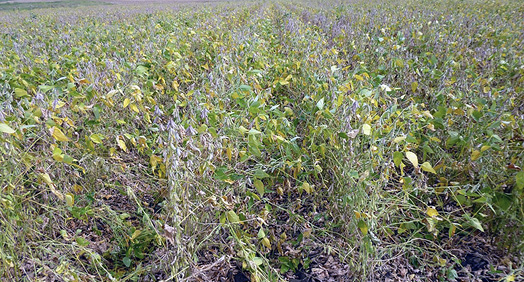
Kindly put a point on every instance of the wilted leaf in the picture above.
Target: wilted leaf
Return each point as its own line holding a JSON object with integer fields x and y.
{"x": 353, "y": 133}
{"x": 134, "y": 108}
{"x": 257, "y": 261}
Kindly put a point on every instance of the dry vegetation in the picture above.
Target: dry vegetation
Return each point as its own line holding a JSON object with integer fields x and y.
{"x": 250, "y": 141}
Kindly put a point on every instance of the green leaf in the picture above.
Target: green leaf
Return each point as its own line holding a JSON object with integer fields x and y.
{"x": 253, "y": 145}
{"x": 81, "y": 241}
{"x": 261, "y": 234}
{"x": 260, "y": 187}
{"x": 6, "y": 129}
{"x": 452, "y": 229}
{"x": 519, "y": 180}
{"x": 257, "y": 261}
{"x": 397, "y": 158}
{"x": 254, "y": 132}
{"x": 474, "y": 222}
{"x": 244, "y": 87}
{"x": 412, "y": 158}
{"x": 126, "y": 261}
{"x": 260, "y": 174}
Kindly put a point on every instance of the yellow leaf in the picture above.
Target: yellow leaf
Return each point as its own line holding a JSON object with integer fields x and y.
{"x": 126, "y": 102}
{"x": 412, "y": 158}
{"x": 427, "y": 114}
{"x": 154, "y": 160}
{"x": 260, "y": 187}
{"x": 57, "y": 155}
{"x": 6, "y": 129}
{"x": 46, "y": 178}
{"x": 414, "y": 86}
{"x": 362, "y": 225}
{"x": 484, "y": 148}
{"x": 307, "y": 187}
{"x": 121, "y": 144}
{"x": 265, "y": 242}
{"x": 510, "y": 278}
{"x": 58, "y": 134}
{"x": 77, "y": 188}
{"x": 427, "y": 167}
{"x": 232, "y": 217}
{"x": 366, "y": 129}
{"x": 96, "y": 138}
{"x": 229, "y": 153}
{"x": 135, "y": 234}
{"x": 432, "y": 212}
{"x": 475, "y": 155}
{"x": 19, "y": 93}
{"x": 70, "y": 200}
{"x": 134, "y": 108}
{"x": 399, "y": 139}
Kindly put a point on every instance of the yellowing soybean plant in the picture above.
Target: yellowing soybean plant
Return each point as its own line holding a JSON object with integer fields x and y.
{"x": 262, "y": 141}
